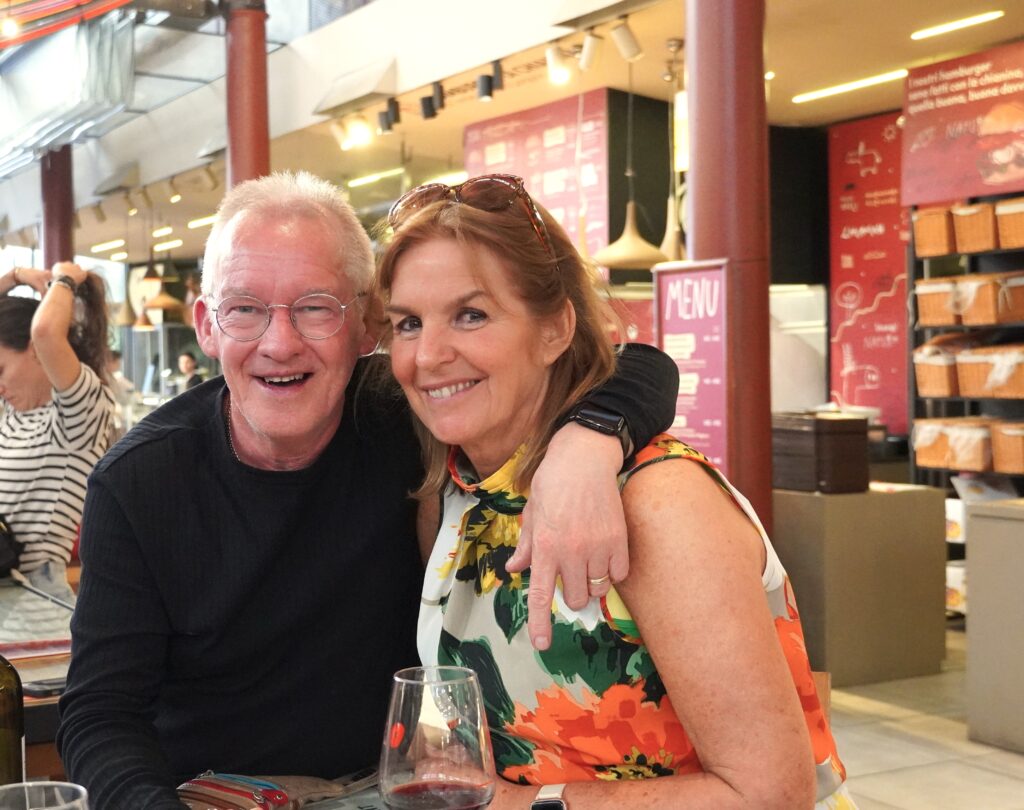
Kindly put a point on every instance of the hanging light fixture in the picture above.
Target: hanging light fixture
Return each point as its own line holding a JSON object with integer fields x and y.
{"x": 558, "y": 67}
{"x": 591, "y": 50}
{"x": 630, "y": 251}
{"x": 678, "y": 141}
{"x": 625, "y": 41}
{"x": 484, "y": 87}
{"x": 394, "y": 111}
{"x": 427, "y": 107}
{"x": 142, "y": 322}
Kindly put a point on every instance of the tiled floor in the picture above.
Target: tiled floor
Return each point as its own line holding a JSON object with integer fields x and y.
{"x": 905, "y": 746}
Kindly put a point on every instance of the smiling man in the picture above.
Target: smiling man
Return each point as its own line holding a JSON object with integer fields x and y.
{"x": 251, "y": 574}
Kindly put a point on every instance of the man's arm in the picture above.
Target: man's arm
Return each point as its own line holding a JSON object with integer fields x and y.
{"x": 573, "y": 525}
{"x": 106, "y": 738}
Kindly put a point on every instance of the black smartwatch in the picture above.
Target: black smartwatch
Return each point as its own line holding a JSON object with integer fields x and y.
{"x": 606, "y": 422}
{"x": 549, "y": 797}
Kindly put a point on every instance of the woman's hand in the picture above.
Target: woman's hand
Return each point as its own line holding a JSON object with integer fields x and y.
{"x": 32, "y": 276}
{"x": 70, "y": 270}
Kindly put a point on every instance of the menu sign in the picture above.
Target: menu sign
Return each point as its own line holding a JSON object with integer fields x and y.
{"x": 561, "y": 152}
{"x": 689, "y": 302}
{"x": 868, "y": 233}
{"x": 963, "y": 133}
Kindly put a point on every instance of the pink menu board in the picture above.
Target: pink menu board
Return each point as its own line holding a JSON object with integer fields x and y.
{"x": 689, "y": 305}
{"x": 963, "y": 134}
{"x": 868, "y": 235}
{"x": 561, "y": 152}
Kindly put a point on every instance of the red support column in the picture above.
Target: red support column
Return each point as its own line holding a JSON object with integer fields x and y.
{"x": 248, "y": 154}
{"x": 727, "y": 187}
{"x": 58, "y": 207}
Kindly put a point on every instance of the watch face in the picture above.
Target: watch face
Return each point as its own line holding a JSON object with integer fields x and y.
{"x": 547, "y": 804}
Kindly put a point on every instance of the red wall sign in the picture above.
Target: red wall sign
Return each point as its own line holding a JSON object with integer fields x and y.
{"x": 690, "y": 309}
{"x": 868, "y": 291}
{"x": 963, "y": 133}
{"x": 569, "y": 175}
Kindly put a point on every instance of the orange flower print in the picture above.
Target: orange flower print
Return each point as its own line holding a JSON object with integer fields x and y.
{"x": 618, "y": 735}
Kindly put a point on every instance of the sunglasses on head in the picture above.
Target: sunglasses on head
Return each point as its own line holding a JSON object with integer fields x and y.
{"x": 489, "y": 192}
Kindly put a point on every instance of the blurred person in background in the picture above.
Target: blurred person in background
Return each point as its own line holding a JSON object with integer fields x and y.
{"x": 124, "y": 393}
{"x": 56, "y": 412}
{"x": 187, "y": 367}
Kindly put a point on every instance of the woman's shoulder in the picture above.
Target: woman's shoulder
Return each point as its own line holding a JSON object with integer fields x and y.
{"x": 666, "y": 447}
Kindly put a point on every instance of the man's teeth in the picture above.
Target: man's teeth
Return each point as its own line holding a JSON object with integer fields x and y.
{"x": 449, "y": 390}
{"x": 291, "y": 378}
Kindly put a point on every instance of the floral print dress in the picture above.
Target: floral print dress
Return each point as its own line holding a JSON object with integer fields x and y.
{"x": 593, "y": 705}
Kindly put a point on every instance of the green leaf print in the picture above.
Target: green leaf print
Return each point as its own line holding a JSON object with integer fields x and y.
{"x": 576, "y": 653}
{"x": 510, "y": 609}
{"x": 498, "y": 706}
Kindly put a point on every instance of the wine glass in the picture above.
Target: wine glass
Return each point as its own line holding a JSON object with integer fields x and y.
{"x": 43, "y": 796}
{"x": 436, "y": 753}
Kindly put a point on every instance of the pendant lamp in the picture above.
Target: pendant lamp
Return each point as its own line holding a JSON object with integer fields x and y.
{"x": 125, "y": 314}
{"x": 630, "y": 251}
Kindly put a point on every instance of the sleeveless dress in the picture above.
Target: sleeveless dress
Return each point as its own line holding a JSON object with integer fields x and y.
{"x": 593, "y": 705}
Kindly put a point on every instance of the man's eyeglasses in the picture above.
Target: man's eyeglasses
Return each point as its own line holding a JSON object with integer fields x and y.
{"x": 317, "y": 317}
{"x": 489, "y": 192}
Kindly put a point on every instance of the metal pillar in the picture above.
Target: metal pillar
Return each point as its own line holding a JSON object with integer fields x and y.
{"x": 728, "y": 196}
{"x": 58, "y": 206}
{"x": 248, "y": 153}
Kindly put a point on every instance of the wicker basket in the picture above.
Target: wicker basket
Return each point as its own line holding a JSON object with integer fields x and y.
{"x": 975, "y": 227}
{"x": 933, "y": 232}
{"x": 935, "y": 363}
{"x": 1008, "y": 447}
{"x": 992, "y": 371}
{"x": 1010, "y": 222}
{"x": 954, "y": 444}
{"x": 987, "y": 298}
{"x": 936, "y": 301}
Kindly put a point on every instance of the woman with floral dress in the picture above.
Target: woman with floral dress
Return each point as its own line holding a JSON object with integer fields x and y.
{"x": 687, "y": 684}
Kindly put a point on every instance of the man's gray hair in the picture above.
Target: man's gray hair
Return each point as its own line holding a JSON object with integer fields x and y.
{"x": 290, "y": 195}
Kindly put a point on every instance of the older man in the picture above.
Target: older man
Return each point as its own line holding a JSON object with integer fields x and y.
{"x": 255, "y": 630}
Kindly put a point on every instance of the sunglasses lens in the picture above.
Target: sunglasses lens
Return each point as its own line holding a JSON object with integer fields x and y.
{"x": 491, "y": 193}
{"x": 415, "y": 199}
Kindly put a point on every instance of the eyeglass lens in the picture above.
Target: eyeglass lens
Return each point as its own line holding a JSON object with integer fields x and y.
{"x": 313, "y": 316}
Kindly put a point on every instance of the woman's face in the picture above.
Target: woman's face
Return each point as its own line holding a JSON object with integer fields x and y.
{"x": 23, "y": 383}
{"x": 470, "y": 356}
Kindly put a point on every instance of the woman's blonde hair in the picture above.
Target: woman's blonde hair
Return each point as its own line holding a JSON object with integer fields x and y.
{"x": 545, "y": 280}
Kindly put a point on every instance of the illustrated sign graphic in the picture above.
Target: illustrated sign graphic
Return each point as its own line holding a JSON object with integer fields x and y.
{"x": 868, "y": 233}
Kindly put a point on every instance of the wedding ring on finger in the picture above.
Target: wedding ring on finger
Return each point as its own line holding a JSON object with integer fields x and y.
{"x": 597, "y": 582}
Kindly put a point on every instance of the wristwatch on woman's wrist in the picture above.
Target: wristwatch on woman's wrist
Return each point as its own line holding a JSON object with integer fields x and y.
{"x": 606, "y": 422}
{"x": 549, "y": 797}
{"x": 66, "y": 281}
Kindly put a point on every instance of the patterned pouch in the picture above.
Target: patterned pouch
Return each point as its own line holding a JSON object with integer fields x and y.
{"x": 227, "y": 791}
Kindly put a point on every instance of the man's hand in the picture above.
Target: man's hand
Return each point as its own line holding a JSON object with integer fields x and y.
{"x": 573, "y": 526}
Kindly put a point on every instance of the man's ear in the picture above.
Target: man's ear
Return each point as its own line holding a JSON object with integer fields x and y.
{"x": 373, "y": 326}
{"x": 557, "y": 332}
{"x": 205, "y": 330}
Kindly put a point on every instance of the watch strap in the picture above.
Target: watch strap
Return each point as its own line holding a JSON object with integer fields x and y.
{"x": 549, "y": 797}
{"x": 603, "y": 421}
{"x": 64, "y": 281}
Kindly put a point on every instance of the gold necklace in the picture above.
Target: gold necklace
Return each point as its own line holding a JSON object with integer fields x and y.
{"x": 231, "y": 442}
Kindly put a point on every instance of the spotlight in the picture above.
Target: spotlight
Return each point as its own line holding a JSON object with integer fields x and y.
{"x": 394, "y": 113}
{"x": 625, "y": 42}
{"x": 558, "y": 70}
{"x": 497, "y": 75}
{"x": 591, "y": 49}
{"x": 438, "y": 97}
{"x": 383, "y": 122}
{"x": 427, "y": 107}
{"x": 484, "y": 87}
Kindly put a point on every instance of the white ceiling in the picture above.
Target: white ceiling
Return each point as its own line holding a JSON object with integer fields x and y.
{"x": 808, "y": 44}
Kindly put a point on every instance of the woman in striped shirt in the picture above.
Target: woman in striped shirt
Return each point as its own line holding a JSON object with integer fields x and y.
{"x": 56, "y": 412}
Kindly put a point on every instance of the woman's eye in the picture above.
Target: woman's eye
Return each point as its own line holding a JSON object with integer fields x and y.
{"x": 406, "y": 326}
{"x": 471, "y": 317}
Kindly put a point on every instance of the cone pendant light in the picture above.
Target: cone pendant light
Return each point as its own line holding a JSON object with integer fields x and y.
{"x": 630, "y": 251}
{"x": 672, "y": 243}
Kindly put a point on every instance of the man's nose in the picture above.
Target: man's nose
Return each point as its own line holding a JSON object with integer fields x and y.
{"x": 281, "y": 332}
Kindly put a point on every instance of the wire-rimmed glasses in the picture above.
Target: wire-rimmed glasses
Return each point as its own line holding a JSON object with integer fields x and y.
{"x": 317, "y": 316}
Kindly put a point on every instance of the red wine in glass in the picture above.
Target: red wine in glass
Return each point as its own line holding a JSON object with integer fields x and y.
{"x": 438, "y": 795}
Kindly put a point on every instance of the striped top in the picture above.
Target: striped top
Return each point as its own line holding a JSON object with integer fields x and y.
{"x": 46, "y": 455}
